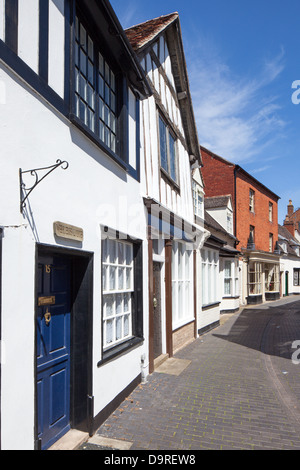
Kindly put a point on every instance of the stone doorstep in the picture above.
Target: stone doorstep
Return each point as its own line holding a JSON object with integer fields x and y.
{"x": 70, "y": 441}
{"x": 160, "y": 359}
{"x": 173, "y": 366}
{"x": 109, "y": 443}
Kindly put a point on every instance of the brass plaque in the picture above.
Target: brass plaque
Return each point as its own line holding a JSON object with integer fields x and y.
{"x": 68, "y": 231}
{"x": 46, "y": 300}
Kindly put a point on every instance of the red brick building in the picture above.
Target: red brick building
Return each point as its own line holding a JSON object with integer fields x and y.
{"x": 292, "y": 219}
{"x": 255, "y": 214}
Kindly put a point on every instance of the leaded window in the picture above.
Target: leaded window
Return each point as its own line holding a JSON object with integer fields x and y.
{"x": 168, "y": 158}
{"x": 95, "y": 88}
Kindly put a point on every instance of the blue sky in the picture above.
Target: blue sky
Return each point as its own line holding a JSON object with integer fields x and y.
{"x": 242, "y": 57}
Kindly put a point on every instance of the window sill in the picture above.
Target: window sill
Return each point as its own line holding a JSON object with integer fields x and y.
{"x": 177, "y": 326}
{"x": 86, "y": 131}
{"x": 208, "y": 306}
{"x": 169, "y": 180}
{"x": 119, "y": 349}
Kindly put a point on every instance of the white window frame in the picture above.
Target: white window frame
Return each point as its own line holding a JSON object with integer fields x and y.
{"x": 210, "y": 271}
{"x": 228, "y": 278}
{"x": 270, "y": 212}
{"x": 271, "y": 242}
{"x": 198, "y": 199}
{"x": 229, "y": 222}
{"x": 117, "y": 290}
{"x": 251, "y": 200}
{"x": 182, "y": 284}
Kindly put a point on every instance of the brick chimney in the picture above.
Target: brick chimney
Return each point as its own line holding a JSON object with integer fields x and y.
{"x": 289, "y": 225}
{"x": 290, "y": 208}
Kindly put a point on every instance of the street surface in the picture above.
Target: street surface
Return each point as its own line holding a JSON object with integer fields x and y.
{"x": 238, "y": 389}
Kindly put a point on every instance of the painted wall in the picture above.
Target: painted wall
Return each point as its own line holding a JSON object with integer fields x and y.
{"x": 92, "y": 191}
{"x": 155, "y": 185}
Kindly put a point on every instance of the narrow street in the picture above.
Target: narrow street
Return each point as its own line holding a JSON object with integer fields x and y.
{"x": 236, "y": 387}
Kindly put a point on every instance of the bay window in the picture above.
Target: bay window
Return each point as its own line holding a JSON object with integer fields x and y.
{"x": 271, "y": 277}
{"x": 254, "y": 278}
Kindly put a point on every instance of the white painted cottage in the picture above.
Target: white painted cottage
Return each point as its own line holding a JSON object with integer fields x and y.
{"x": 169, "y": 151}
{"x": 289, "y": 262}
{"x": 74, "y": 302}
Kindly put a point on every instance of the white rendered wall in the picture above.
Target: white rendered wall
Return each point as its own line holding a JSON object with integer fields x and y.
{"x": 28, "y": 33}
{"x": 56, "y": 46}
{"x": 92, "y": 191}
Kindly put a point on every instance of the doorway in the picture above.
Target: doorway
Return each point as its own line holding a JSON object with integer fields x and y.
{"x": 157, "y": 310}
{"x": 63, "y": 344}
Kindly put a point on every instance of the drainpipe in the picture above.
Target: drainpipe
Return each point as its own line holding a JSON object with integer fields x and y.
{"x": 236, "y": 169}
{"x": 143, "y": 369}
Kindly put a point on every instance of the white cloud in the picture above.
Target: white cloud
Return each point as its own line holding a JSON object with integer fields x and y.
{"x": 234, "y": 116}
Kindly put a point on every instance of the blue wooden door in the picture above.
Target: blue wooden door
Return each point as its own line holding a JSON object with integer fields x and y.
{"x": 53, "y": 349}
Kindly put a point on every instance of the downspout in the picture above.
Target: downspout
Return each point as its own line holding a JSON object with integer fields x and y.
{"x": 235, "y": 201}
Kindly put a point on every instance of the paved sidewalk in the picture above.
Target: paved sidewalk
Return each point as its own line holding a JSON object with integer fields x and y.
{"x": 238, "y": 389}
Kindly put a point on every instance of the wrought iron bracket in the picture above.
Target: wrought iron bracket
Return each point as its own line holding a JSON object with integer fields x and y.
{"x": 26, "y": 191}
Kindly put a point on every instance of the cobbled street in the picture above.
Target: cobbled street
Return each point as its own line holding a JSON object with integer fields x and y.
{"x": 239, "y": 389}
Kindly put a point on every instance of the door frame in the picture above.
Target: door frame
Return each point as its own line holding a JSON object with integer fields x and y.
{"x": 81, "y": 392}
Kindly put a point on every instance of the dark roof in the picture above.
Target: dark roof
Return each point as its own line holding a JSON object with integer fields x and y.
{"x": 284, "y": 233}
{"x": 140, "y": 37}
{"x": 216, "y": 201}
{"x": 143, "y": 33}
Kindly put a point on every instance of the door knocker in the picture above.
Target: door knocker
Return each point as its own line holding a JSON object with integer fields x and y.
{"x": 47, "y": 317}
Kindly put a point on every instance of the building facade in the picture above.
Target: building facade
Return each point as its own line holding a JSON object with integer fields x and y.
{"x": 289, "y": 243}
{"x": 169, "y": 150}
{"x": 255, "y": 223}
{"x": 74, "y": 306}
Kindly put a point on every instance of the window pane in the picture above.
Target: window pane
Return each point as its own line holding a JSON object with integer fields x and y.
{"x": 112, "y": 251}
{"x": 121, "y": 279}
{"x": 112, "y": 278}
{"x": 101, "y": 64}
{"x": 109, "y": 305}
{"x": 82, "y": 37}
{"x": 119, "y": 328}
{"x": 104, "y": 278}
{"x": 163, "y": 145}
{"x": 90, "y": 49}
{"x": 119, "y": 304}
{"x": 126, "y": 300}
{"x": 126, "y": 325}
{"x": 128, "y": 278}
{"x": 172, "y": 157}
{"x": 121, "y": 248}
{"x": 109, "y": 331}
